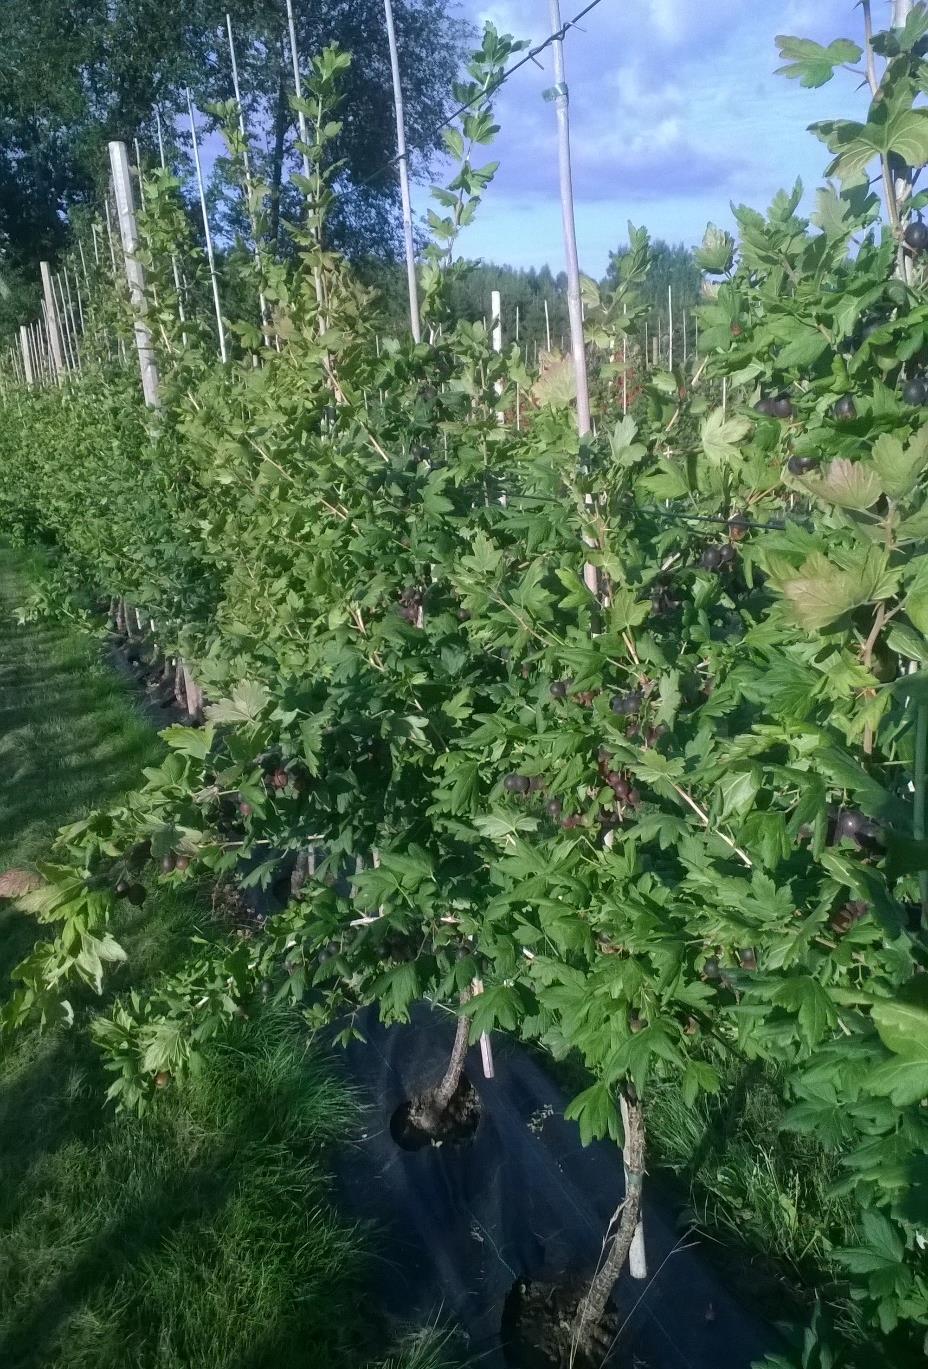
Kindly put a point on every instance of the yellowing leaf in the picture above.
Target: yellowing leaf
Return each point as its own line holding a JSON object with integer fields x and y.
{"x": 849, "y": 484}
{"x": 821, "y": 592}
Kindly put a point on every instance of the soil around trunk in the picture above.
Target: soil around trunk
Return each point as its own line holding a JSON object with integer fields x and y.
{"x": 420, "y": 1122}
{"x": 536, "y": 1330}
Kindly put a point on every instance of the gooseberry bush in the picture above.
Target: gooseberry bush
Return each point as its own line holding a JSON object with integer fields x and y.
{"x": 677, "y": 816}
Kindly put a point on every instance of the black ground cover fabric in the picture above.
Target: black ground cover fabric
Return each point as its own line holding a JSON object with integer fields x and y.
{"x": 522, "y": 1200}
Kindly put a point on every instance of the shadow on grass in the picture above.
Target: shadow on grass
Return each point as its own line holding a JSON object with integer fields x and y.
{"x": 199, "y": 1236}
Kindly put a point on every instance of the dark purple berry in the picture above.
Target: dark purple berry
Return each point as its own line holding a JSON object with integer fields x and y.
{"x": 916, "y": 236}
{"x": 915, "y": 391}
{"x": 558, "y": 689}
{"x": 783, "y": 407}
{"x": 801, "y": 465}
{"x": 627, "y": 704}
{"x": 845, "y": 410}
{"x": 711, "y": 558}
{"x": 517, "y": 784}
{"x": 764, "y": 406}
{"x": 554, "y": 808}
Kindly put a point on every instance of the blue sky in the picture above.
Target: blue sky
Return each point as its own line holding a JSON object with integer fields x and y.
{"x": 675, "y": 113}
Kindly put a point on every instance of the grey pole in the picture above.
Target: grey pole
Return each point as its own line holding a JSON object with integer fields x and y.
{"x": 262, "y": 302}
{"x": 403, "y": 164}
{"x": 210, "y": 256}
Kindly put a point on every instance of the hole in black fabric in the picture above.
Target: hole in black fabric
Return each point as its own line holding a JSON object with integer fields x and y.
{"x": 417, "y": 1123}
{"x": 536, "y": 1329}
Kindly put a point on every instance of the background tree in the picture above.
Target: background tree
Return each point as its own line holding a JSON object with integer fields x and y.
{"x": 75, "y": 74}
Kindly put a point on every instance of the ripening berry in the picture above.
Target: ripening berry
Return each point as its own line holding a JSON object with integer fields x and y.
{"x": 916, "y": 236}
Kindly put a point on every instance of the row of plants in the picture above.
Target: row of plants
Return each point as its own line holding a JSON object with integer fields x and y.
{"x": 679, "y": 814}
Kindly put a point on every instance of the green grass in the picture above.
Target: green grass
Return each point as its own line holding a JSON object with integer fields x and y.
{"x": 203, "y": 1235}
{"x": 71, "y": 738}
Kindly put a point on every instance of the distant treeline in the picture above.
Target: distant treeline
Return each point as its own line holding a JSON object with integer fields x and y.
{"x": 526, "y": 291}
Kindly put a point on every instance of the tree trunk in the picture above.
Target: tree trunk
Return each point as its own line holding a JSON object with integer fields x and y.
{"x": 593, "y": 1305}
{"x": 281, "y": 118}
{"x": 448, "y": 1087}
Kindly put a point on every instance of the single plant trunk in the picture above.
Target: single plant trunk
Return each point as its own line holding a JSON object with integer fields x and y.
{"x": 448, "y": 1087}
{"x": 277, "y": 160}
{"x": 593, "y": 1305}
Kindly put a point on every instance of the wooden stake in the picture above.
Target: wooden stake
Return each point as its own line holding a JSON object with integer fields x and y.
{"x": 135, "y": 275}
{"x": 547, "y": 327}
{"x": 52, "y": 323}
{"x": 210, "y": 256}
{"x": 27, "y": 358}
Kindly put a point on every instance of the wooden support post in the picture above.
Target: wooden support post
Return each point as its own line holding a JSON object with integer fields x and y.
{"x": 26, "y": 353}
{"x": 135, "y": 275}
{"x": 403, "y": 164}
{"x": 51, "y": 321}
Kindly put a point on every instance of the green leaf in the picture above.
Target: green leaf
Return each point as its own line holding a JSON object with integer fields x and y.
{"x": 596, "y": 1114}
{"x": 720, "y": 436}
{"x": 899, "y": 467}
{"x": 904, "y": 1079}
{"x": 903, "y": 1027}
{"x": 738, "y": 791}
{"x": 804, "y": 996}
{"x": 248, "y": 702}
{"x": 716, "y": 254}
{"x": 916, "y": 600}
{"x": 811, "y": 64}
{"x": 881, "y": 1247}
{"x": 907, "y": 642}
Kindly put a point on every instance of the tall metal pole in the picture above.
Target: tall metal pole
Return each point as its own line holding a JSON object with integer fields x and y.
{"x": 135, "y": 275}
{"x": 562, "y": 107}
{"x": 574, "y": 309}
{"x": 210, "y": 256}
{"x": 669, "y": 327}
{"x": 402, "y": 159}
{"x": 297, "y": 85}
{"x": 175, "y": 266}
{"x": 246, "y": 160}
{"x": 51, "y": 315}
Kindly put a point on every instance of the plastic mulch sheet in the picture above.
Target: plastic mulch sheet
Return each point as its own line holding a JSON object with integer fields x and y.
{"x": 522, "y": 1200}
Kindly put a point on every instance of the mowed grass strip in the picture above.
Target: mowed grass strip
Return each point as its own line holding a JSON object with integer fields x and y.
{"x": 202, "y": 1236}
